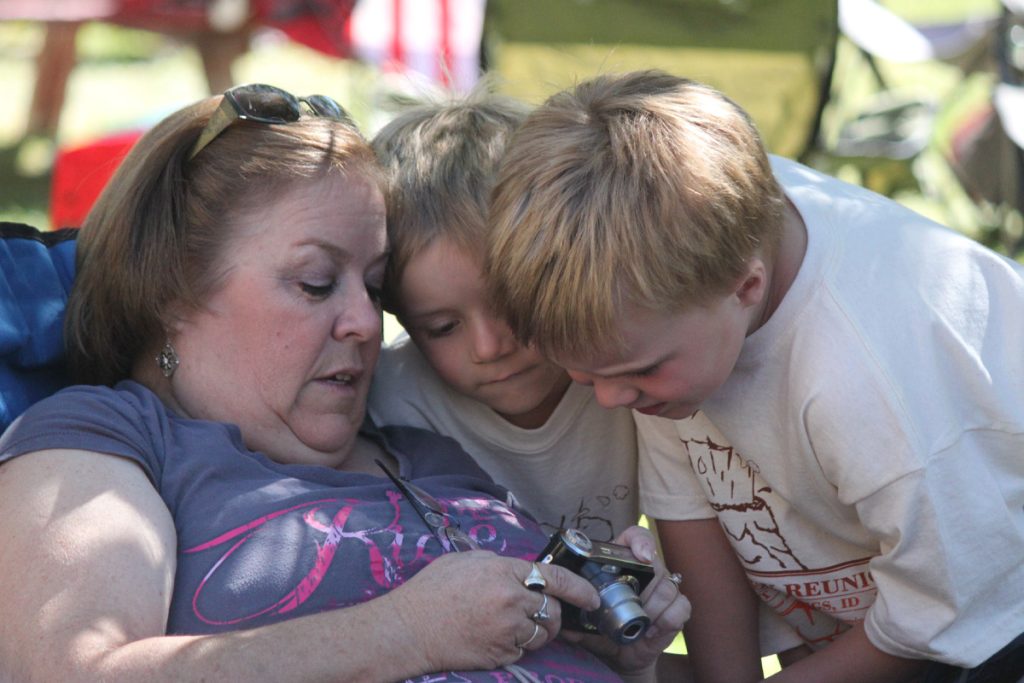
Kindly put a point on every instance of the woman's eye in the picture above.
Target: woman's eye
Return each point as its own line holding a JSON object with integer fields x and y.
{"x": 318, "y": 291}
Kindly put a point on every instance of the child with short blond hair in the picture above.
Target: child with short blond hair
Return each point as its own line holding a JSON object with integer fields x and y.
{"x": 841, "y": 378}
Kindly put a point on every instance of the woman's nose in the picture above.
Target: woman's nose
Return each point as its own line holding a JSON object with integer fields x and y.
{"x": 361, "y": 317}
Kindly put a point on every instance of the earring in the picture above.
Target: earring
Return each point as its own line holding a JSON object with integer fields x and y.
{"x": 167, "y": 360}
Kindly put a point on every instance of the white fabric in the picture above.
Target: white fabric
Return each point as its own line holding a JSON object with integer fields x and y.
{"x": 437, "y": 40}
{"x": 882, "y": 33}
{"x": 868, "y": 459}
{"x": 1009, "y": 103}
{"x": 578, "y": 470}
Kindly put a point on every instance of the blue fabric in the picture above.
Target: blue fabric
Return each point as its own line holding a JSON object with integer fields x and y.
{"x": 36, "y": 272}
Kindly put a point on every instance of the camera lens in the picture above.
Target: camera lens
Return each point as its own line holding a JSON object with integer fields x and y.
{"x": 620, "y": 616}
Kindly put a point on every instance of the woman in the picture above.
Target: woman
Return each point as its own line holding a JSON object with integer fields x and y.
{"x": 227, "y": 298}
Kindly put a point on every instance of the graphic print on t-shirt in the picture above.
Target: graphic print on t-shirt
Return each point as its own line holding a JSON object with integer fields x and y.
{"x": 818, "y": 602}
{"x": 593, "y": 515}
{"x": 341, "y": 553}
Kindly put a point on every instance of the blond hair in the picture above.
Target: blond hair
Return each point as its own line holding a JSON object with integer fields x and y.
{"x": 641, "y": 188}
{"x": 440, "y": 159}
{"x": 155, "y": 241}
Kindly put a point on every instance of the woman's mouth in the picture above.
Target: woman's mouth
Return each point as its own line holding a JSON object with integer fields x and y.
{"x": 341, "y": 378}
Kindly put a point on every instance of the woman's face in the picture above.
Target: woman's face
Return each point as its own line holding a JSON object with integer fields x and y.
{"x": 285, "y": 348}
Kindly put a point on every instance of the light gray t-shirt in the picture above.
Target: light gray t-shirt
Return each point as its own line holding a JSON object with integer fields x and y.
{"x": 577, "y": 470}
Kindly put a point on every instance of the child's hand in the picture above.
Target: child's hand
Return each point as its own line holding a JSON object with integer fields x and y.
{"x": 665, "y": 605}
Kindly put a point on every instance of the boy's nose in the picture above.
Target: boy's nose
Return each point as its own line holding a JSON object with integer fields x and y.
{"x": 610, "y": 394}
{"x": 579, "y": 378}
{"x": 492, "y": 339}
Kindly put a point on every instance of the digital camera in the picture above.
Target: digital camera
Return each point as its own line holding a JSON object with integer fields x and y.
{"x": 616, "y": 574}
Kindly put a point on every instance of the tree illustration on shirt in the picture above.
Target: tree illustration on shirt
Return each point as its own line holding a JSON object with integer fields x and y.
{"x": 818, "y": 602}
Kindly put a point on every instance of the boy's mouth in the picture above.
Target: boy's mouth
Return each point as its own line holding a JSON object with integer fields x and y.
{"x": 506, "y": 377}
{"x": 651, "y": 410}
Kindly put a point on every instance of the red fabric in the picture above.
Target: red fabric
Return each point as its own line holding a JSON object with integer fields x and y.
{"x": 81, "y": 173}
{"x": 319, "y": 24}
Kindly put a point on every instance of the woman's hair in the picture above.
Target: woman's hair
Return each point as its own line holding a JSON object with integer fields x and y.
{"x": 641, "y": 188}
{"x": 440, "y": 158}
{"x": 154, "y": 243}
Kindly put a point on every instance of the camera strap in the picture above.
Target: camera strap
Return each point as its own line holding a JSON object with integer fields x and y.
{"x": 521, "y": 674}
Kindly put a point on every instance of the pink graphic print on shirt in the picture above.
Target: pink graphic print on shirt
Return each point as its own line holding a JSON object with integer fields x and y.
{"x": 391, "y": 556}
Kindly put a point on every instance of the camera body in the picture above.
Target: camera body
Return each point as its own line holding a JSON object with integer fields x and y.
{"x": 616, "y": 574}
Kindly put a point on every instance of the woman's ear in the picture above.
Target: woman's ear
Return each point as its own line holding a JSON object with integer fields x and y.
{"x": 174, "y": 321}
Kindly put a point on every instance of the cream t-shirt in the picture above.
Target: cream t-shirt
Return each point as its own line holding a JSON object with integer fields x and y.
{"x": 577, "y": 470}
{"x": 866, "y": 456}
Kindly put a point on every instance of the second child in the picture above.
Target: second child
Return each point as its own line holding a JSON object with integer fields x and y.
{"x": 460, "y": 371}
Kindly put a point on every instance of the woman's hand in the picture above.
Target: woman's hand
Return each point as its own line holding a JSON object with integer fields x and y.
{"x": 473, "y": 611}
{"x": 661, "y": 599}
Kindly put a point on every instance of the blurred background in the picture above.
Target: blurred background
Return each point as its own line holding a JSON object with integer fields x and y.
{"x": 917, "y": 99}
{"x": 913, "y": 98}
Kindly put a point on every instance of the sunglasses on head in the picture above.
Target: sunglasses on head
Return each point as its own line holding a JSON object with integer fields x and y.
{"x": 444, "y": 527}
{"x": 265, "y": 104}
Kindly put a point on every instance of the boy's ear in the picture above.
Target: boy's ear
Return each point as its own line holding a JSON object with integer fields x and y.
{"x": 752, "y": 285}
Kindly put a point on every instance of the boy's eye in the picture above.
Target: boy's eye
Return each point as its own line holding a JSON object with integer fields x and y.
{"x": 376, "y": 294}
{"x": 443, "y": 330}
{"x": 643, "y": 372}
{"x": 318, "y": 291}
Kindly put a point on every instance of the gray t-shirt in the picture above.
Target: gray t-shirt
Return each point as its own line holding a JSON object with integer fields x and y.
{"x": 260, "y": 541}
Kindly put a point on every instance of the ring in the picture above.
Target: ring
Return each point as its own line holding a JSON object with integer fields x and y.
{"x": 536, "y": 630}
{"x": 676, "y": 578}
{"x": 535, "y": 581}
{"x": 542, "y": 613}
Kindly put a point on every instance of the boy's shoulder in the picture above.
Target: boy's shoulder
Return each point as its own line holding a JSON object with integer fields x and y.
{"x": 402, "y": 376}
{"x": 400, "y": 358}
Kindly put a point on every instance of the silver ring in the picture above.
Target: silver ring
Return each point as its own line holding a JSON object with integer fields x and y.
{"x": 535, "y": 581}
{"x": 542, "y": 613}
{"x": 676, "y": 578}
{"x": 536, "y": 630}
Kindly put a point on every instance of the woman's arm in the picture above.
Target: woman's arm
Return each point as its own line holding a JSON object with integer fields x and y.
{"x": 721, "y": 634}
{"x": 88, "y": 563}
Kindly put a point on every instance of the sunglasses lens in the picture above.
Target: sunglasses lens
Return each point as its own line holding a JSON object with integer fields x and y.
{"x": 265, "y": 103}
{"x": 326, "y": 107}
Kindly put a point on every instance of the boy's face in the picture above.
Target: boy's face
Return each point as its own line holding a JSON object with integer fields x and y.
{"x": 670, "y": 363}
{"x": 445, "y": 311}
